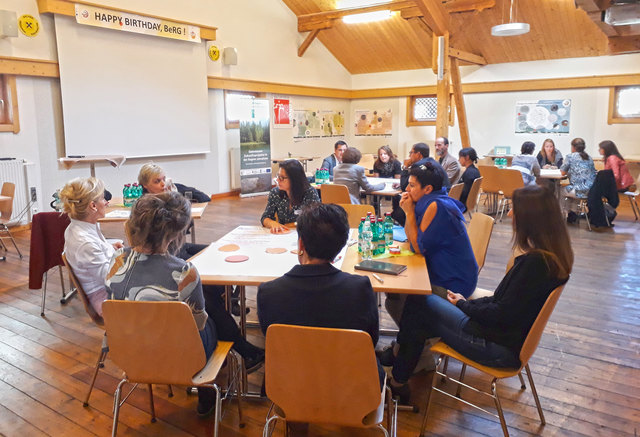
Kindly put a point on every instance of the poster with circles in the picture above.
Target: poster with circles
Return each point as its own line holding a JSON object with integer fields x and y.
{"x": 543, "y": 116}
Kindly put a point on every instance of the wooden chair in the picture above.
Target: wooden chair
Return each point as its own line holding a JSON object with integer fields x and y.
{"x": 367, "y": 161}
{"x": 633, "y": 198}
{"x": 479, "y": 231}
{"x": 356, "y": 212}
{"x": 322, "y": 375}
{"x": 334, "y": 193}
{"x": 490, "y": 185}
{"x": 474, "y": 193}
{"x": 509, "y": 181}
{"x": 97, "y": 319}
{"x": 528, "y": 348}
{"x": 6, "y": 209}
{"x": 456, "y": 191}
{"x": 159, "y": 343}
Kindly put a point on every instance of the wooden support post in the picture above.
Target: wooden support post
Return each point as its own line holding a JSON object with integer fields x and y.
{"x": 442, "y": 93}
{"x": 459, "y": 99}
{"x": 307, "y": 41}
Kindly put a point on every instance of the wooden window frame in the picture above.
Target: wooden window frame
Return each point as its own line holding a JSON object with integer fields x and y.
{"x": 235, "y": 124}
{"x": 613, "y": 117}
{"x": 411, "y": 102}
{"x": 9, "y": 105}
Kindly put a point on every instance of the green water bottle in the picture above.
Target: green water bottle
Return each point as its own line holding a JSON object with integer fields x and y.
{"x": 388, "y": 229}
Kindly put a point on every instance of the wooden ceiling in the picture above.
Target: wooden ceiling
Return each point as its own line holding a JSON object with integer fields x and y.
{"x": 558, "y": 30}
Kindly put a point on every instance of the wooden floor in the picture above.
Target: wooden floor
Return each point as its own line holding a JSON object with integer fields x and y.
{"x": 587, "y": 367}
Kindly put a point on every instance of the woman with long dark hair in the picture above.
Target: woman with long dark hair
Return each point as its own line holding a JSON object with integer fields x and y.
{"x": 287, "y": 199}
{"x": 467, "y": 158}
{"x": 386, "y": 166}
{"x": 614, "y": 161}
{"x": 491, "y": 330}
{"x": 578, "y": 165}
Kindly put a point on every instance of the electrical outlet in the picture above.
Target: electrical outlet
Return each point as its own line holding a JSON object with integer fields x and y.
{"x": 34, "y": 194}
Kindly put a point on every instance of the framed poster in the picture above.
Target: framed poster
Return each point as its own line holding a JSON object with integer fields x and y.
{"x": 369, "y": 122}
{"x": 543, "y": 116}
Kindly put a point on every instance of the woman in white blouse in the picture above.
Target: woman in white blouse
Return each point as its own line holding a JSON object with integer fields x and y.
{"x": 86, "y": 249}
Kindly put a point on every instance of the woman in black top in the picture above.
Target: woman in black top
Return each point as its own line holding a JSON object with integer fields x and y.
{"x": 287, "y": 199}
{"x": 491, "y": 330}
{"x": 386, "y": 166}
{"x": 468, "y": 157}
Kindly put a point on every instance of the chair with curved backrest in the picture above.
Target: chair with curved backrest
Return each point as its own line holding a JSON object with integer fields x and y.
{"x": 474, "y": 193}
{"x": 479, "y": 231}
{"x": 509, "y": 181}
{"x": 367, "y": 161}
{"x": 159, "y": 343}
{"x": 528, "y": 348}
{"x": 6, "y": 209}
{"x": 356, "y": 212}
{"x": 334, "y": 193}
{"x": 323, "y": 375}
{"x": 490, "y": 185}
{"x": 633, "y": 198}
{"x": 456, "y": 191}
{"x": 47, "y": 244}
{"x": 97, "y": 319}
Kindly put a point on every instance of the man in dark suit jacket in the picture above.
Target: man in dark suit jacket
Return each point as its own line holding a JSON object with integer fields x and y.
{"x": 335, "y": 158}
{"x": 315, "y": 293}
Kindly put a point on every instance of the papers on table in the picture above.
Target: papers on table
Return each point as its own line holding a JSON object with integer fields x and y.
{"x": 118, "y": 213}
{"x": 551, "y": 173}
{"x": 197, "y": 210}
{"x": 253, "y": 242}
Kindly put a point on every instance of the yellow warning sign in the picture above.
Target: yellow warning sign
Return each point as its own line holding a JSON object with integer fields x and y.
{"x": 28, "y": 25}
{"x": 214, "y": 53}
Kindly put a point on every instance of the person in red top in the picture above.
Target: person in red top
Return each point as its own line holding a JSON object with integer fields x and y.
{"x": 614, "y": 161}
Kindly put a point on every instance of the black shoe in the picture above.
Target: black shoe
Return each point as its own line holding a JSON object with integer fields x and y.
{"x": 402, "y": 393}
{"x": 235, "y": 308}
{"x": 572, "y": 217}
{"x": 254, "y": 363}
{"x": 206, "y": 402}
{"x": 385, "y": 356}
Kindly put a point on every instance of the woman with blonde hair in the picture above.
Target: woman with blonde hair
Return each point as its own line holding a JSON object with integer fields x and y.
{"x": 86, "y": 249}
{"x": 549, "y": 156}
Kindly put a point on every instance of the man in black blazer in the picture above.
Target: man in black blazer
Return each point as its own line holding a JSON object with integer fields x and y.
{"x": 315, "y": 293}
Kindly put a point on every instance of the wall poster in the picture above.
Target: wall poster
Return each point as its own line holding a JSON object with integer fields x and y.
{"x": 369, "y": 122}
{"x": 317, "y": 123}
{"x": 281, "y": 112}
{"x": 255, "y": 149}
{"x": 543, "y": 116}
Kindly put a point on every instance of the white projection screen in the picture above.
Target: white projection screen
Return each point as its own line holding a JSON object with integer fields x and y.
{"x": 130, "y": 94}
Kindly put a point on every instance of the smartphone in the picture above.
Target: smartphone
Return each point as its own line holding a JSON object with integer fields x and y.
{"x": 380, "y": 267}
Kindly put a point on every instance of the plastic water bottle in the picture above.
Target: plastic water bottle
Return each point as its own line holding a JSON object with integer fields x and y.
{"x": 360, "y": 229}
{"x": 382, "y": 243}
{"x": 318, "y": 176}
{"x": 325, "y": 175}
{"x": 126, "y": 195}
{"x": 375, "y": 233}
{"x": 388, "y": 229}
{"x": 367, "y": 238}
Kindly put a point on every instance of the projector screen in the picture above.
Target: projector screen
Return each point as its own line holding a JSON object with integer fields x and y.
{"x": 130, "y": 94}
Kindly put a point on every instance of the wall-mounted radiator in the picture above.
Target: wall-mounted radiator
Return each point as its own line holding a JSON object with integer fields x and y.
{"x": 15, "y": 171}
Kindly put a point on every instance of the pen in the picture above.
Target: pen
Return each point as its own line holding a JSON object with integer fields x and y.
{"x": 378, "y": 278}
{"x": 337, "y": 259}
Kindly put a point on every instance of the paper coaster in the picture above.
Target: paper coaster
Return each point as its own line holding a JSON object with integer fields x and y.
{"x": 276, "y": 250}
{"x": 236, "y": 258}
{"x": 229, "y": 248}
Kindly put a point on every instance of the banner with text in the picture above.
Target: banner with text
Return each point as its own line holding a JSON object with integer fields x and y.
{"x": 255, "y": 149}
{"x": 110, "y": 19}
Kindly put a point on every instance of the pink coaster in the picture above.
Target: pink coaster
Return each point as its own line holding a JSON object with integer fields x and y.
{"x": 276, "y": 250}
{"x": 236, "y": 258}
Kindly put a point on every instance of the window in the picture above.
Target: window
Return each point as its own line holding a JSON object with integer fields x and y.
{"x": 624, "y": 104}
{"x": 423, "y": 110}
{"x": 8, "y": 104}
{"x": 236, "y": 104}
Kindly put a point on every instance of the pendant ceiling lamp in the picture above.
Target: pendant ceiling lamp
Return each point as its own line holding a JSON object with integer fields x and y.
{"x": 510, "y": 28}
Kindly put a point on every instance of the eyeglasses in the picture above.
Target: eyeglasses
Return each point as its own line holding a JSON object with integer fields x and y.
{"x": 411, "y": 152}
{"x": 282, "y": 178}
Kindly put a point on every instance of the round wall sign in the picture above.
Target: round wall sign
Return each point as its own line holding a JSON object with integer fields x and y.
{"x": 28, "y": 25}
{"x": 214, "y": 53}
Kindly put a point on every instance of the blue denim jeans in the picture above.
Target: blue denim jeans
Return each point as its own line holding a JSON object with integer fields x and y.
{"x": 431, "y": 316}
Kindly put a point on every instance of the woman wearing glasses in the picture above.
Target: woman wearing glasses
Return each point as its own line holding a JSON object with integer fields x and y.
{"x": 289, "y": 197}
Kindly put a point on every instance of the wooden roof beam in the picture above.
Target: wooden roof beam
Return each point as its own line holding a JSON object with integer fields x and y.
{"x": 435, "y": 15}
{"x": 452, "y": 6}
{"x": 467, "y": 57}
{"x": 624, "y": 44}
{"x": 307, "y": 41}
{"x": 324, "y": 20}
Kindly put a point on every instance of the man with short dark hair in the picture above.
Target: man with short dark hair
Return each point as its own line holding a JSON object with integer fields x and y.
{"x": 418, "y": 155}
{"x": 448, "y": 162}
{"x": 335, "y": 158}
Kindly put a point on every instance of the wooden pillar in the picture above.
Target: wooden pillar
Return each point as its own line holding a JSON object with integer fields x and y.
{"x": 442, "y": 92}
{"x": 459, "y": 100}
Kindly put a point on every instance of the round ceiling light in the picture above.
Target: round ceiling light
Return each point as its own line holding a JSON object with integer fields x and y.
{"x": 510, "y": 29}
